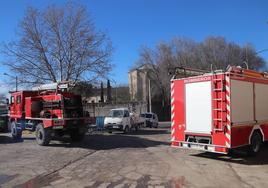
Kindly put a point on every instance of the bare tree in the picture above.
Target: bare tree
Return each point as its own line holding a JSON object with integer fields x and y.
{"x": 58, "y": 44}
{"x": 182, "y": 52}
{"x": 161, "y": 60}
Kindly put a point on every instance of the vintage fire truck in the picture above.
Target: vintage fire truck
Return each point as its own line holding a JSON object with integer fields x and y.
{"x": 220, "y": 110}
{"x": 50, "y": 110}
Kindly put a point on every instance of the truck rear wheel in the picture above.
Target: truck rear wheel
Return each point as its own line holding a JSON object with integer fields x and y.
{"x": 43, "y": 136}
{"x": 77, "y": 136}
{"x": 255, "y": 144}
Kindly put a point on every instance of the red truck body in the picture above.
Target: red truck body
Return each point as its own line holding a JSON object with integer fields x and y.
{"x": 220, "y": 111}
{"x": 55, "y": 112}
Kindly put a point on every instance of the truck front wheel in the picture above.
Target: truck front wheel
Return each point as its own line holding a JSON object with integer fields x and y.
{"x": 43, "y": 136}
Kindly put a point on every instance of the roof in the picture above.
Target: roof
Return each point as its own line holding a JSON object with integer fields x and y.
{"x": 142, "y": 67}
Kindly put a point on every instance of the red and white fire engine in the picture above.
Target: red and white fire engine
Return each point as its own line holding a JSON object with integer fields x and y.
{"x": 50, "y": 110}
{"x": 220, "y": 111}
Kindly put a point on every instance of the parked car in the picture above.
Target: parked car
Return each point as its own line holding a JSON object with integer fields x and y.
{"x": 151, "y": 119}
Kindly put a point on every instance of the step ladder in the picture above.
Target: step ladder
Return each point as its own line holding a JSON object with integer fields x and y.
{"x": 218, "y": 99}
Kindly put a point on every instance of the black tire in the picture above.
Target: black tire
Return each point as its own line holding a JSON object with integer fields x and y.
{"x": 156, "y": 125}
{"x": 255, "y": 143}
{"x": 77, "y": 136}
{"x": 126, "y": 130}
{"x": 230, "y": 152}
{"x": 42, "y": 135}
{"x": 150, "y": 124}
{"x": 5, "y": 129}
{"x": 15, "y": 133}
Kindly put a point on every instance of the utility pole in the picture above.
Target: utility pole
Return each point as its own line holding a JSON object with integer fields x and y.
{"x": 16, "y": 83}
{"x": 102, "y": 94}
{"x": 115, "y": 89}
{"x": 16, "y": 78}
{"x": 150, "y": 97}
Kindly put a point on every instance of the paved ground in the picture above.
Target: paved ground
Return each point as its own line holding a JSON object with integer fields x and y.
{"x": 142, "y": 159}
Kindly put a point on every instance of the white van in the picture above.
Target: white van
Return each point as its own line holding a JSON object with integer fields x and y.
{"x": 121, "y": 119}
{"x": 151, "y": 119}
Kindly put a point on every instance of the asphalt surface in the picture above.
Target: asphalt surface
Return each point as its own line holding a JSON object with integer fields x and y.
{"x": 138, "y": 159}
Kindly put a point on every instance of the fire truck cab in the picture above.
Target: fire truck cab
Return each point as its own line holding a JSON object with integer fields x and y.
{"x": 49, "y": 112}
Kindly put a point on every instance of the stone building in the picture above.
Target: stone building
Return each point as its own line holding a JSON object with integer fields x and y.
{"x": 139, "y": 83}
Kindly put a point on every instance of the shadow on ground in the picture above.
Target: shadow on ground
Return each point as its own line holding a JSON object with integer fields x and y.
{"x": 100, "y": 141}
{"x": 6, "y": 139}
{"x": 110, "y": 141}
{"x": 239, "y": 156}
{"x": 148, "y": 131}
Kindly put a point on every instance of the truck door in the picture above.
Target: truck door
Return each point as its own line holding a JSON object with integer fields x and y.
{"x": 12, "y": 105}
{"x": 18, "y": 105}
{"x": 198, "y": 107}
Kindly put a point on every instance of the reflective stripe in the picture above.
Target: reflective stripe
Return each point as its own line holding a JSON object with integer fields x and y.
{"x": 172, "y": 92}
{"x": 228, "y": 136}
{"x": 172, "y": 130}
{"x": 172, "y": 107}
{"x": 172, "y": 115}
{"x": 228, "y": 107}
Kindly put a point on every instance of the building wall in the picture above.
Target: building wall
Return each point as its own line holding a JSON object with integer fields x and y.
{"x": 133, "y": 80}
{"x": 138, "y": 84}
{"x": 103, "y": 109}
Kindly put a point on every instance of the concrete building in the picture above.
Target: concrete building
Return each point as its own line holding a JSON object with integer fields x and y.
{"x": 139, "y": 83}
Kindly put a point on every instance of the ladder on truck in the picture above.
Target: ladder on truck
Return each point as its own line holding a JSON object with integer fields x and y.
{"x": 218, "y": 99}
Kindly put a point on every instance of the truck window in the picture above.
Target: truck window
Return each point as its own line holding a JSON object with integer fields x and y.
{"x": 116, "y": 113}
{"x": 12, "y": 100}
{"x": 126, "y": 114}
{"x": 18, "y": 99}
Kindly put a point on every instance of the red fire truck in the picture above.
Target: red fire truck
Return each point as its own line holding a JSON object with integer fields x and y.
{"x": 220, "y": 111}
{"x": 50, "y": 110}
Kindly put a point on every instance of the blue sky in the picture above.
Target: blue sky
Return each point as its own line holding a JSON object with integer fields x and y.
{"x": 133, "y": 23}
